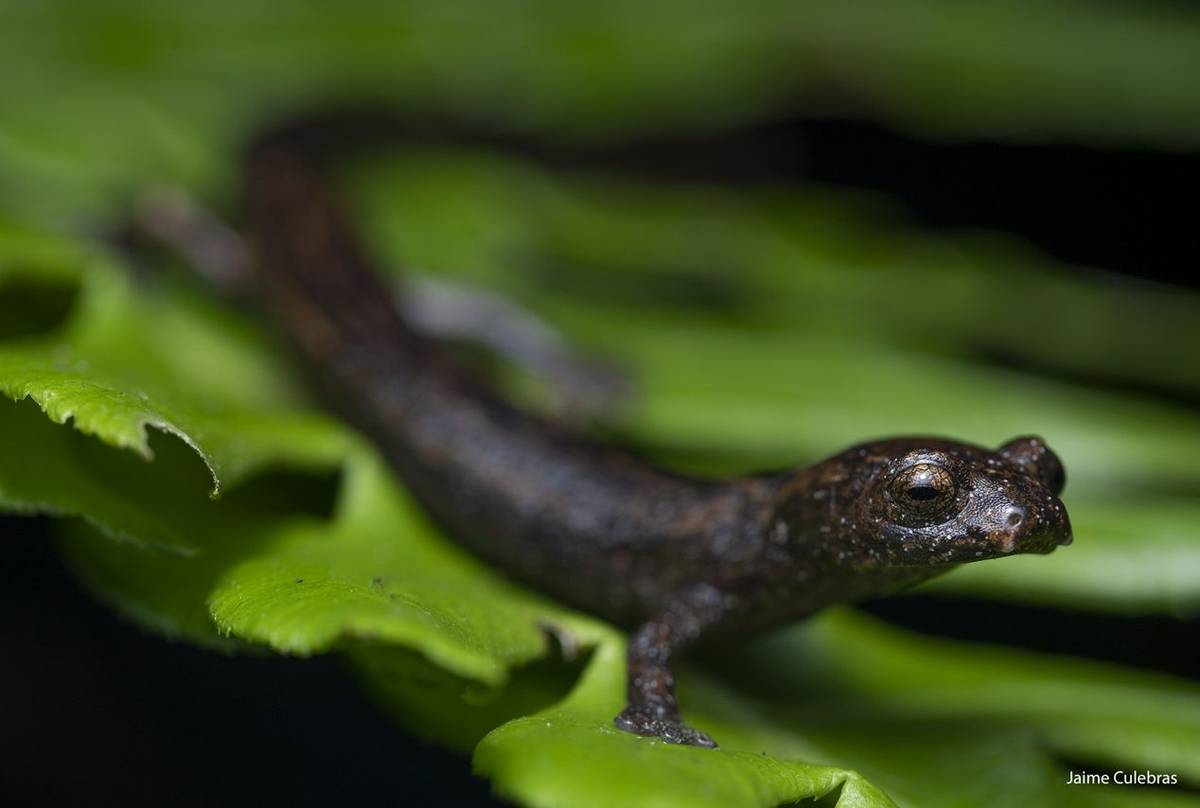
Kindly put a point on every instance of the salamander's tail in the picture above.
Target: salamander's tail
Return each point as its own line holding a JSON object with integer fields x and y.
{"x": 308, "y": 262}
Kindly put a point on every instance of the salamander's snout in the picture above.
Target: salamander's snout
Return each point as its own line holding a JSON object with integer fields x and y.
{"x": 1033, "y": 520}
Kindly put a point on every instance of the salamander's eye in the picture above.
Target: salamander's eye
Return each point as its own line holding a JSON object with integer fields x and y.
{"x": 923, "y": 493}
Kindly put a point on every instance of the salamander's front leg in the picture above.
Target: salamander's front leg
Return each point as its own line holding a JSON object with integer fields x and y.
{"x": 651, "y": 708}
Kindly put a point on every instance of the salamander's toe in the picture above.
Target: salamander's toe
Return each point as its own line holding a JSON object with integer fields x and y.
{"x": 672, "y": 731}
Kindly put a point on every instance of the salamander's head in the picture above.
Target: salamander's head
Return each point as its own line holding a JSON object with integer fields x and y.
{"x": 930, "y": 502}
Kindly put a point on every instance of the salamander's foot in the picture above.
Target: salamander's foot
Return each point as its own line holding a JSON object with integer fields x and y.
{"x": 641, "y": 722}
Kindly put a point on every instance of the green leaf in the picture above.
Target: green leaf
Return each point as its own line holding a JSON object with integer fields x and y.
{"x": 935, "y": 723}
{"x": 571, "y": 754}
{"x": 52, "y": 470}
{"x": 846, "y": 665}
{"x": 381, "y": 574}
{"x": 165, "y": 590}
{"x": 124, "y": 365}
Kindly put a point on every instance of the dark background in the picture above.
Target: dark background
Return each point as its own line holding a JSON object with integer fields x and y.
{"x": 147, "y": 722}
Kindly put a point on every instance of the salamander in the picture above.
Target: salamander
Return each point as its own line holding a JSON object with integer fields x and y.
{"x": 675, "y": 559}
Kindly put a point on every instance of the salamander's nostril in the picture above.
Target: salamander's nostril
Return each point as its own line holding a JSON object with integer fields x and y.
{"x": 1014, "y": 515}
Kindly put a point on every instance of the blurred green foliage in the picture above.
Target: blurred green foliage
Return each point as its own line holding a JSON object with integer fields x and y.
{"x": 104, "y": 94}
{"x": 762, "y": 326}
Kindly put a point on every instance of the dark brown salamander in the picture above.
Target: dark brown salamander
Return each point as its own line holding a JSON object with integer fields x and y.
{"x": 674, "y": 558}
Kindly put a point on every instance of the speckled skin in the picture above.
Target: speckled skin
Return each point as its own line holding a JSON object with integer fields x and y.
{"x": 674, "y": 558}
